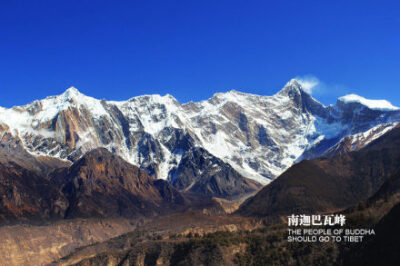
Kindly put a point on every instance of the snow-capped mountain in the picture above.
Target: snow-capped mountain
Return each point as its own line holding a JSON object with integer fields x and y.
{"x": 259, "y": 136}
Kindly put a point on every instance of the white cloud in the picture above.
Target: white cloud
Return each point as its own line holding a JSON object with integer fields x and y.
{"x": 309, "y": 83}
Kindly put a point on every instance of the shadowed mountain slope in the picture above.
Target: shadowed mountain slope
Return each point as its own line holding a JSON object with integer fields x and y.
{"x": 103, "y": 184}
{"x": 100, "y": 184}
{"x": 204, "y": 174}
{"x": 27, "y": 196}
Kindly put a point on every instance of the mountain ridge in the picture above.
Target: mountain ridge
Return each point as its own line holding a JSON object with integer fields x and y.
{"x": 259, "y": 136}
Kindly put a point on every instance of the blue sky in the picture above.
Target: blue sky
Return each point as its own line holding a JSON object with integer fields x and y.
{"x": 192, "y": 49}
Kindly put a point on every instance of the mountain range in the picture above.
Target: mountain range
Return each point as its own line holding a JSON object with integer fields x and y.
{"x": 257, "y": 137}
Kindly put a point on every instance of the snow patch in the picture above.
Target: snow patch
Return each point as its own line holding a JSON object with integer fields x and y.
{"x": 382, "y": 105}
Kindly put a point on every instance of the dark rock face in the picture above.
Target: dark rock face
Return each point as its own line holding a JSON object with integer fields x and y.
{"x": 200, "y": 172}
{"x": 175, "y": 139}
{"x": 329, "y": 184}
{"x": 27, "y": 196}
{"x": 148, "y": 148}
{"x": 169, "y": 194}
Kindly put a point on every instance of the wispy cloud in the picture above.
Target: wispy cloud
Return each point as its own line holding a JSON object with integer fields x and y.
{"x": 309, "y": 83}
{"x": 325, "y": 92}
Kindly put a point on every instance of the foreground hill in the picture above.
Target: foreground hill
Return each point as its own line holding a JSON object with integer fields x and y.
{"x": 100, "y": 184}
{"x": 28, "y": 196}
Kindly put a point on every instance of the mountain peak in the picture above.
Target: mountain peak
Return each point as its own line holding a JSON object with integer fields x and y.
{"x": 292, "y": 87}
{"x": 233, "y": 91}
{"x": 71, "y": 92}
{"x": 293, "y": 83}
{"x": 171, "y": 98}
{"x": 382, "y": 105}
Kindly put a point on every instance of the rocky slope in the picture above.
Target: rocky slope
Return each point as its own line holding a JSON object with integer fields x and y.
{"x": 162, "y": 242}
{"x": 40, "y": 245}
{"x": 258, "y": 136}
{"x": 102, "y": 184}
